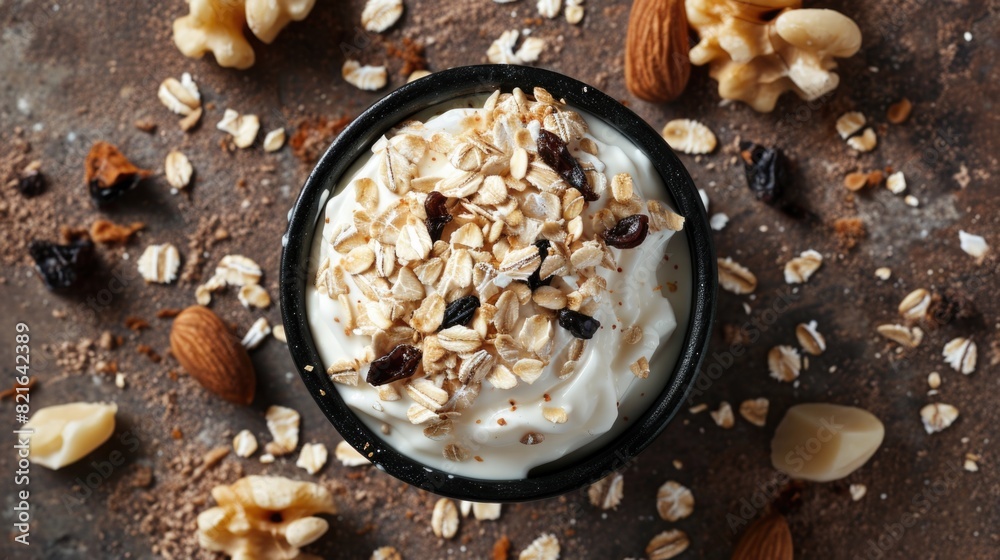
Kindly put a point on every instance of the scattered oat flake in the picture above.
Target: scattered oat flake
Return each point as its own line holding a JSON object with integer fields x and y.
{"x": 971, "y": 462}
{"x": 938, "y": 416}
{"x": 368, "y": 78}
{"x": 723, "y": 417}
{"x": 283, "y": 423}
{"x": 608, "y": 492}
{"x": 386, "y": 553}
{"x": 735, "y": 278}
{"x": 689, "y": 136}
{"x": 380, "y": 15}
{"x": 178, "y": 170}
{"x": 274, "y": 140}
{"x": 915, "y": 305}
{"x": 244, "y": 444}
{"x": 849, "y": 123}
{"x": 180, "y": 96}
{"x": 960, "y": 353}
{"x": 801, "y": 268}
{"x": 755, "y": 411}
{"x": 545, "y": 547}
{"x": 159, "y": 263}
{"x": 907, "y": 336}
{"x": 549, "y": 8}
{"x": 256, "y": 334}
{"x": 864, "y": 142}
{"x": 243, "y": 128}
{"x": 348, "y": 456}
{"x": 858, "y": 491}
{"x": 810, "y": 339}
{"x": 278, "y": 332}
{"x": 444, "y": 519}
{"x": 667, "y": 544}
{"x": 674, "y": 501}
{"x": 718, "y": 221}
{"x": 502, "y": 51}
{"x": 312, "y": 458}
{"x": 974, "y": 245}
{"x": 896, "y": 183}
{"x": 252, "y": 295}
{"x": 237, "y": 270}
{"x": 784, "y": 363}
{"x": 883, "y": 273}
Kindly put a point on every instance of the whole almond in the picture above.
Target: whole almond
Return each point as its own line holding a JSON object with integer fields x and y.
{"x": 768, "y": 537}
{"x": 657, "y": 66}
{"x": 203, "y": 345}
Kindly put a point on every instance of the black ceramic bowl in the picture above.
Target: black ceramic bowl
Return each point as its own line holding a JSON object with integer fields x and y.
{"x": 355, "y": 141}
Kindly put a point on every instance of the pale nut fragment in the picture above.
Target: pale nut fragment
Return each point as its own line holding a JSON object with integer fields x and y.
{"x": 180, "y": 96}
{"x": 934, "y": 380}
{"x": 801, "y": 268}
{"x": 380, "y": 15}
{"x": 938, "y": 416}
{"x": 178, "y": 170}
{"x": 312, "y": 458}
{"x": 850, "y": 123}
{"x": 973, "y": 245}
{"x": 252, "y": 295}
{"x": 243, "y": 128}
{"x": 640, "y": 367}
{"x": 608, "y": 492}
{"x": 274, "y": 140}
{"x": 667, "y": 544}
{"x": 545, "y": 547}
{"x": 237, "y": 270}
{"x": 810, "y": 338}
{"x": 960, "y": 354}
{"x": 883, "y": 273}
{"x": 256, "y": 334}
{"x": 915, "y": 305}
{"x": 909, "y": 337}
{"x": 755, "y": 411}
{"x": 723, "y": 417}
{"x": 244, "y": 444}
{"x": 864, "y": 142}
{"x": 65, "y": 433}
{"x": 857, "y": 491}
{"x": 736, "y": 278}
{"x": 272, "y": 516}
{"x": 784, "y": 363}
{"x": 444, "y": 519}
{"x": 896, "y": 183}
{"x": 674, "y": 501}
{"x": 348, "y": 456}
{"x": 159, "y": 263}
{"x": 368, "y": 78}
{"x": 574, "y": 11}
{"x": 283, "y": 423}
{"x": 843, "y": 437}
{"x": 689, "y": 136}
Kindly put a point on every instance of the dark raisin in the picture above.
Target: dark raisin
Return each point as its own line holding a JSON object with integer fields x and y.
{"x": 437, "y": 214}
{"x": 109, "y": 174}
{"x": 629, "y": 232}
{"x": 31, "y": 183}
{"x": 535, "y": 279}
{"x": 398, "y": 364}
{"x": 62, "y": 266}
{"x": 578, "y": 324}
{"x": 556, "y": 155}
{"x": 766, "y": 171}
{"x": 459, "y": 312}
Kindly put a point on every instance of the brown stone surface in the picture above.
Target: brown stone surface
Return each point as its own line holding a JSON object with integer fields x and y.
{"x": 74, "y": 73}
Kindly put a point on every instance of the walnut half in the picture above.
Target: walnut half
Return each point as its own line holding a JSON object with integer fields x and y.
{"x": 266, "y": 518}
{"x": 759, "y": 49}
{"x": 217, "y": 26}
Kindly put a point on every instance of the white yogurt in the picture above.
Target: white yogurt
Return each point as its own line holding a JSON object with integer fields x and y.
{"x": 653, "y": 290}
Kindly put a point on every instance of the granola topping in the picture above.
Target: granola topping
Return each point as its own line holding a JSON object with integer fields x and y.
{"x": 475, "y": 277}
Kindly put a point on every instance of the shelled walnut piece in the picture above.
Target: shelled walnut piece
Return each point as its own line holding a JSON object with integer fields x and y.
{"x": 759, "y": 49}
{"x": 265, "y": 518}
{"x": 216, "y": 26}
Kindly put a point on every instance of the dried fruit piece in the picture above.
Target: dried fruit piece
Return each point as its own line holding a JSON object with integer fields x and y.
{"x": 437, "y": 214}
{"x": 555, "y": 154}
{"x": 578, "y": 324}
{"x": 938, "y": 416}
{"x": 534, "y": 279}
{"x": 400, "y": 363}
{"x": 608, "y": 492}
{"x": 159, "y": 263}
{"x": 688, "y": 136}
{"x": 532, "y": 438}
{"x": 459, "y": 312}
{"x": 109, "y": 174}
{"x": 766, "y": 171}
{"x": 629, "y": 232}
{"x": 674, "y": 501}
{"x": 62, "y": 266}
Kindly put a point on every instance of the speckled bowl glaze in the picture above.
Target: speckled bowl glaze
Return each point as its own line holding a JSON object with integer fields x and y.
{"x": 355, "y": 141}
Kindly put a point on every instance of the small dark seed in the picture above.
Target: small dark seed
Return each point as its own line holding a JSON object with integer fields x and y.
{"x": 437, "y": 214}
{"x": 398, "y": 364}
{"x": 62, "y": 266}
{"x": 535, "y": 279}
{"x": 766, "y": 171}
{"x": 629, "y": 232}
{"x": 459, "y": 312}
{"x": 556, "y": 155}
{"x": 578, "y": 324}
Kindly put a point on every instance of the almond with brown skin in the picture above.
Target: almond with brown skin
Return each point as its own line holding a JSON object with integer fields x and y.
{"x": 768, "y": 537}
{"x": 211, "y": 354}
{"x": 657, "y": 66}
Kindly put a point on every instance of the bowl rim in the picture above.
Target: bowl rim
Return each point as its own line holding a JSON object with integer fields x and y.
{"x": 354, "y": 141}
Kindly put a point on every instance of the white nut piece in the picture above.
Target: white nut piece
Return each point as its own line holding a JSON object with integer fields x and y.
{"x": 265, "y": 517}
{"x": 159, "y": 263}
{"x": 274, "y": 140}
{"x": 369, "y": 78}
{"x": 243, "y": 128}
{"x": 690, "y": 137}
{"x": 178, "y": 170}
{"x": 216, "y": 26}
{"x": 755, "y": 59}
{"x": 839, "y": 440}
{"x": 244, "y": 444}
{"x": 65, "y": 433}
